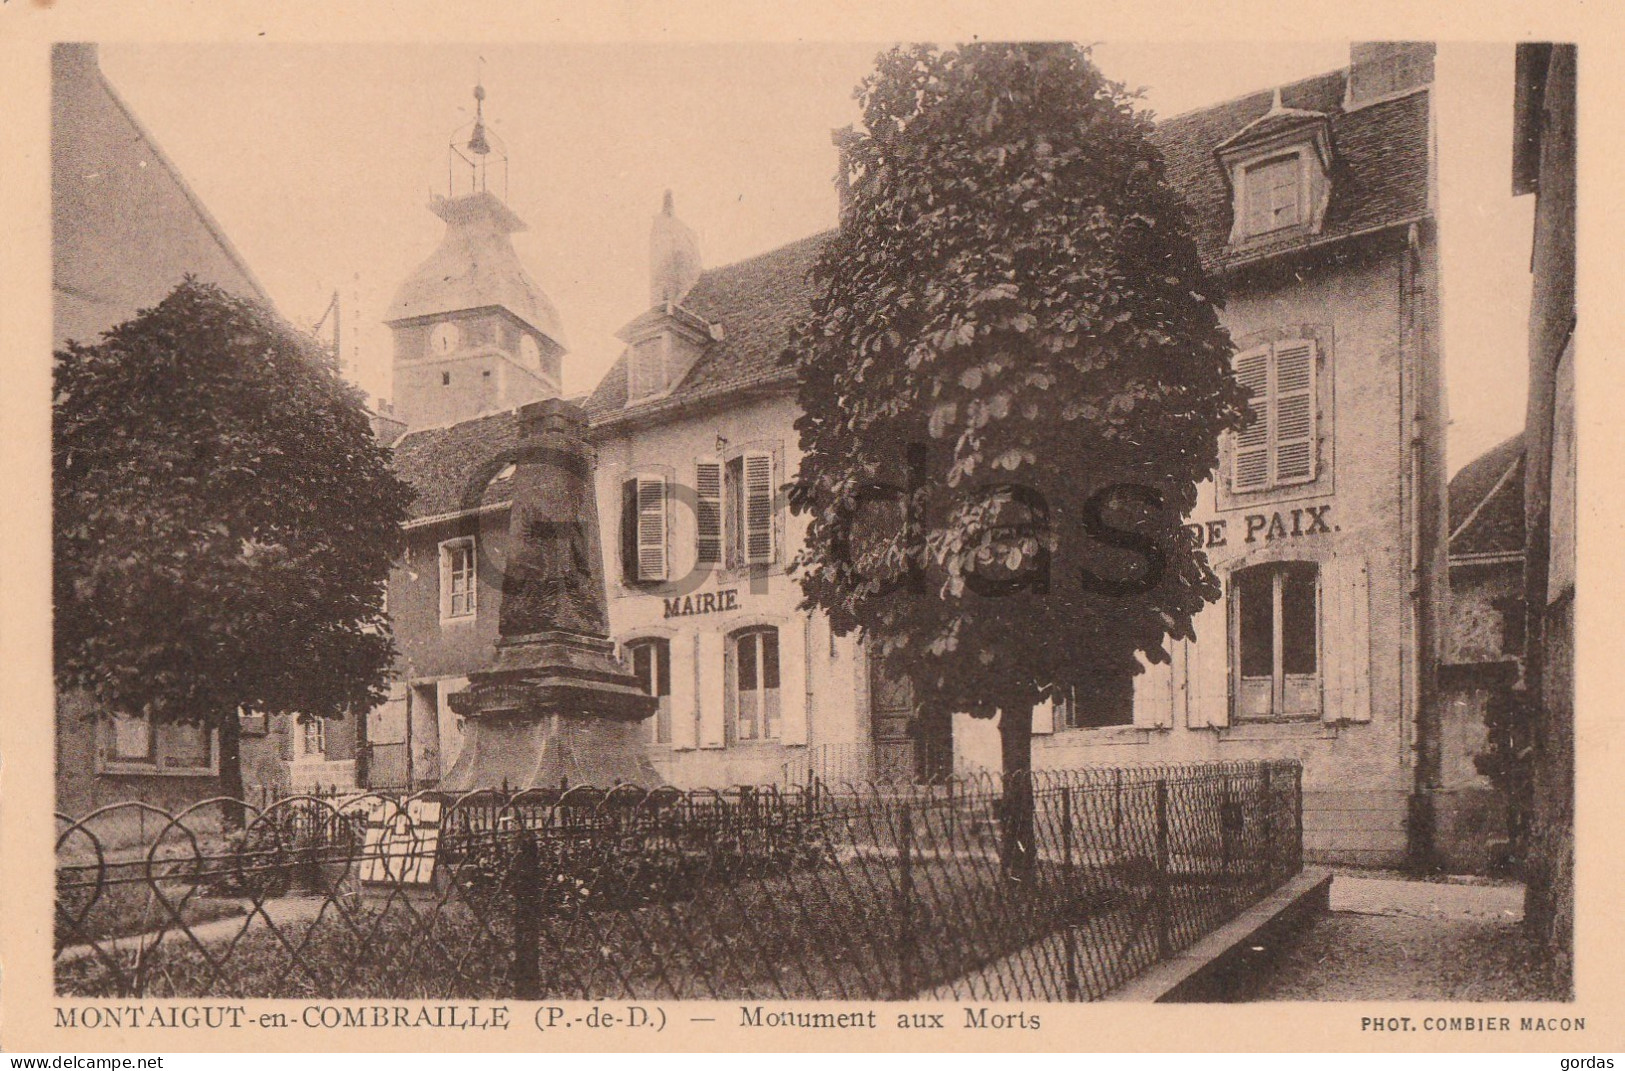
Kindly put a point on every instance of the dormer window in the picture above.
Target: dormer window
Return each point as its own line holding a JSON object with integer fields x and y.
{"x": 1279, "y": 167}
{"x": 1272, "y": 194}
{"x": 646, "y": 369}
{"x": 661, "y": 346}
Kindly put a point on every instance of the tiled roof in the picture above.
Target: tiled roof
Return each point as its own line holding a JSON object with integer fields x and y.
{"x": 1380, "y": 178}
{"x": 1271, "y": 123}
{"x": 1486, "y": 503}
{"x": 445, "y": 464}
{"x": 756, "y": 301}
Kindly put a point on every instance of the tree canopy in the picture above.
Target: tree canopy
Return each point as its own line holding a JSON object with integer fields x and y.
{"x": 224, "y": 519}
{"x": 1013, "y": 378}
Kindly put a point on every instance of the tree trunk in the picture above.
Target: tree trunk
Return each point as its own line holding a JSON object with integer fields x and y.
{"x": 1018, "y": 857}
{"x": 231, "y": 768}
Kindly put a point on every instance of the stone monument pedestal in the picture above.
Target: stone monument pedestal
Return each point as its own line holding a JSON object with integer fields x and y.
{"x": 556, "y": 708}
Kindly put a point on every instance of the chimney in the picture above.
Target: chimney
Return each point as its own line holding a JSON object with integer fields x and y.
{"x": 1381, "y": 70}
{"x": 674, "y": 257}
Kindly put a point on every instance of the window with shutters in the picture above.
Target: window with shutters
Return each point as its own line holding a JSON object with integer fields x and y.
{"x": 651, "y": 664}
{"x": 1279, "y": 446}
{"x": 751, "y": 697}
{"x": 707, "y": 513}
{"x": 1277, "y": 628}
{"x": 749, "y": 510}
{"x": 459, "y": 584}
{"x": 644, "y": 552}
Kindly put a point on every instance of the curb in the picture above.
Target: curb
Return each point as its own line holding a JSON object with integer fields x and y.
{"x": 1222, "y": 966}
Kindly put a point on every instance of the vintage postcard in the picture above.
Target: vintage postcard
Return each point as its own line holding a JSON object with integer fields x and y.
{"x": 604, "y": 534}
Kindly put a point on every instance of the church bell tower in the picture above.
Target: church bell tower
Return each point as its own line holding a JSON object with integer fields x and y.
{"x": 473, "y": 333}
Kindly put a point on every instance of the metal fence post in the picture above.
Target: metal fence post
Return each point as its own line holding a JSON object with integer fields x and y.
{"x": 525, "y": 976}
{"x": 1161, "y": 894}
{"x": 905, "y": 904}
{"x": 1297, "y": 818}
{"x": 1069, "y": 892}
{"x": 1267, "y": 819}
{"x": 1117, "y": 814}
{"x": 1227, "y": 833}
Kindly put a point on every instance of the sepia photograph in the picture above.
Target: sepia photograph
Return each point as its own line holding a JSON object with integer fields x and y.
{"x": 999, "y": 523}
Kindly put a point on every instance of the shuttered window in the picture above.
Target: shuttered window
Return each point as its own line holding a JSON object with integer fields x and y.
{"x": 758, "y": 508}
{"x": 749, "y": 490}
{"x": 651, "y": 528}
{"x": 753, "y": 700}
{"x": 1278, "y": 641}
{"x": 651, "y": 664}
{"x": 1278, "y": 447}
{"x": 708, "y": 512}
{"x": 644, "y": 557}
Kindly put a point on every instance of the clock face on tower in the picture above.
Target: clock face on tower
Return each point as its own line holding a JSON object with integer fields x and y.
{"x": 530, "y": 353}
{"x": 443, "y": 339}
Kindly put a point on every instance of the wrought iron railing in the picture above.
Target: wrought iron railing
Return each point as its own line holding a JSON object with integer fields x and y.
{"x": 1061, "y": 886}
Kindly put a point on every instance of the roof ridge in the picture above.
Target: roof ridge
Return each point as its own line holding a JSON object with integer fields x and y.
{"x": 488, "y": 414}
{"x": 1237, "y": 99}
{"x": 210, "y": 224}
{"x": 828, "y": 231}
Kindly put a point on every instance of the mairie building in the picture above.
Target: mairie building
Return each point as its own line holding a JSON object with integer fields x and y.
{"x": 1315, "y": 202}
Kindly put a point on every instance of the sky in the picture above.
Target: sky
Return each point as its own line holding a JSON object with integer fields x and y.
{"x": 319, "y": 161}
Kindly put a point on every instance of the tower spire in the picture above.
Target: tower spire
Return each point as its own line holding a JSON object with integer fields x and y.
{"x": 474, "y": 151}
{"x": 476, "y": 141}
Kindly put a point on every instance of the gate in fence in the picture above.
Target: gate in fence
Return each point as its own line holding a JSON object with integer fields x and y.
{"x": 1062, "y": 888}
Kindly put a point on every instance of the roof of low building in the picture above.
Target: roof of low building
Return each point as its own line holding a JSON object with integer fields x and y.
{"x": 1380, "y": 178}
{"x": 1486, "y": 502}
{"x": 451, "y": 467}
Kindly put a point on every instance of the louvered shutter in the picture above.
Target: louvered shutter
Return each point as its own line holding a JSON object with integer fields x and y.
{"x": 708, "y": 512}
{"x": 684, "y": 693}
{"x": 758, "y": 509}
{"x": 1154, "y": 695}
{"x": 1250, "y": 457}
{"x": 793, "y": 671}
{"x": 1294, "y": 411}
{"x": 1346, "y": 644}
{"x": 712, "y": 685}
{"x": 1209, "y": 667}
{"x": 651, "y": 528}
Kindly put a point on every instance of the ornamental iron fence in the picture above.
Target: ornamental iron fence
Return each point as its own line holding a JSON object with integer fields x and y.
{"x": 1059, "y": 885}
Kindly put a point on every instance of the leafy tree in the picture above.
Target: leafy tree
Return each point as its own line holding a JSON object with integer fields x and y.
{"x": 224, "y": 522}
{"x": 1013, "y": 378}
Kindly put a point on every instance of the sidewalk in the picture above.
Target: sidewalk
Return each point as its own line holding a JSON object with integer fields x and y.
{"x": 1390, "y": 938}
